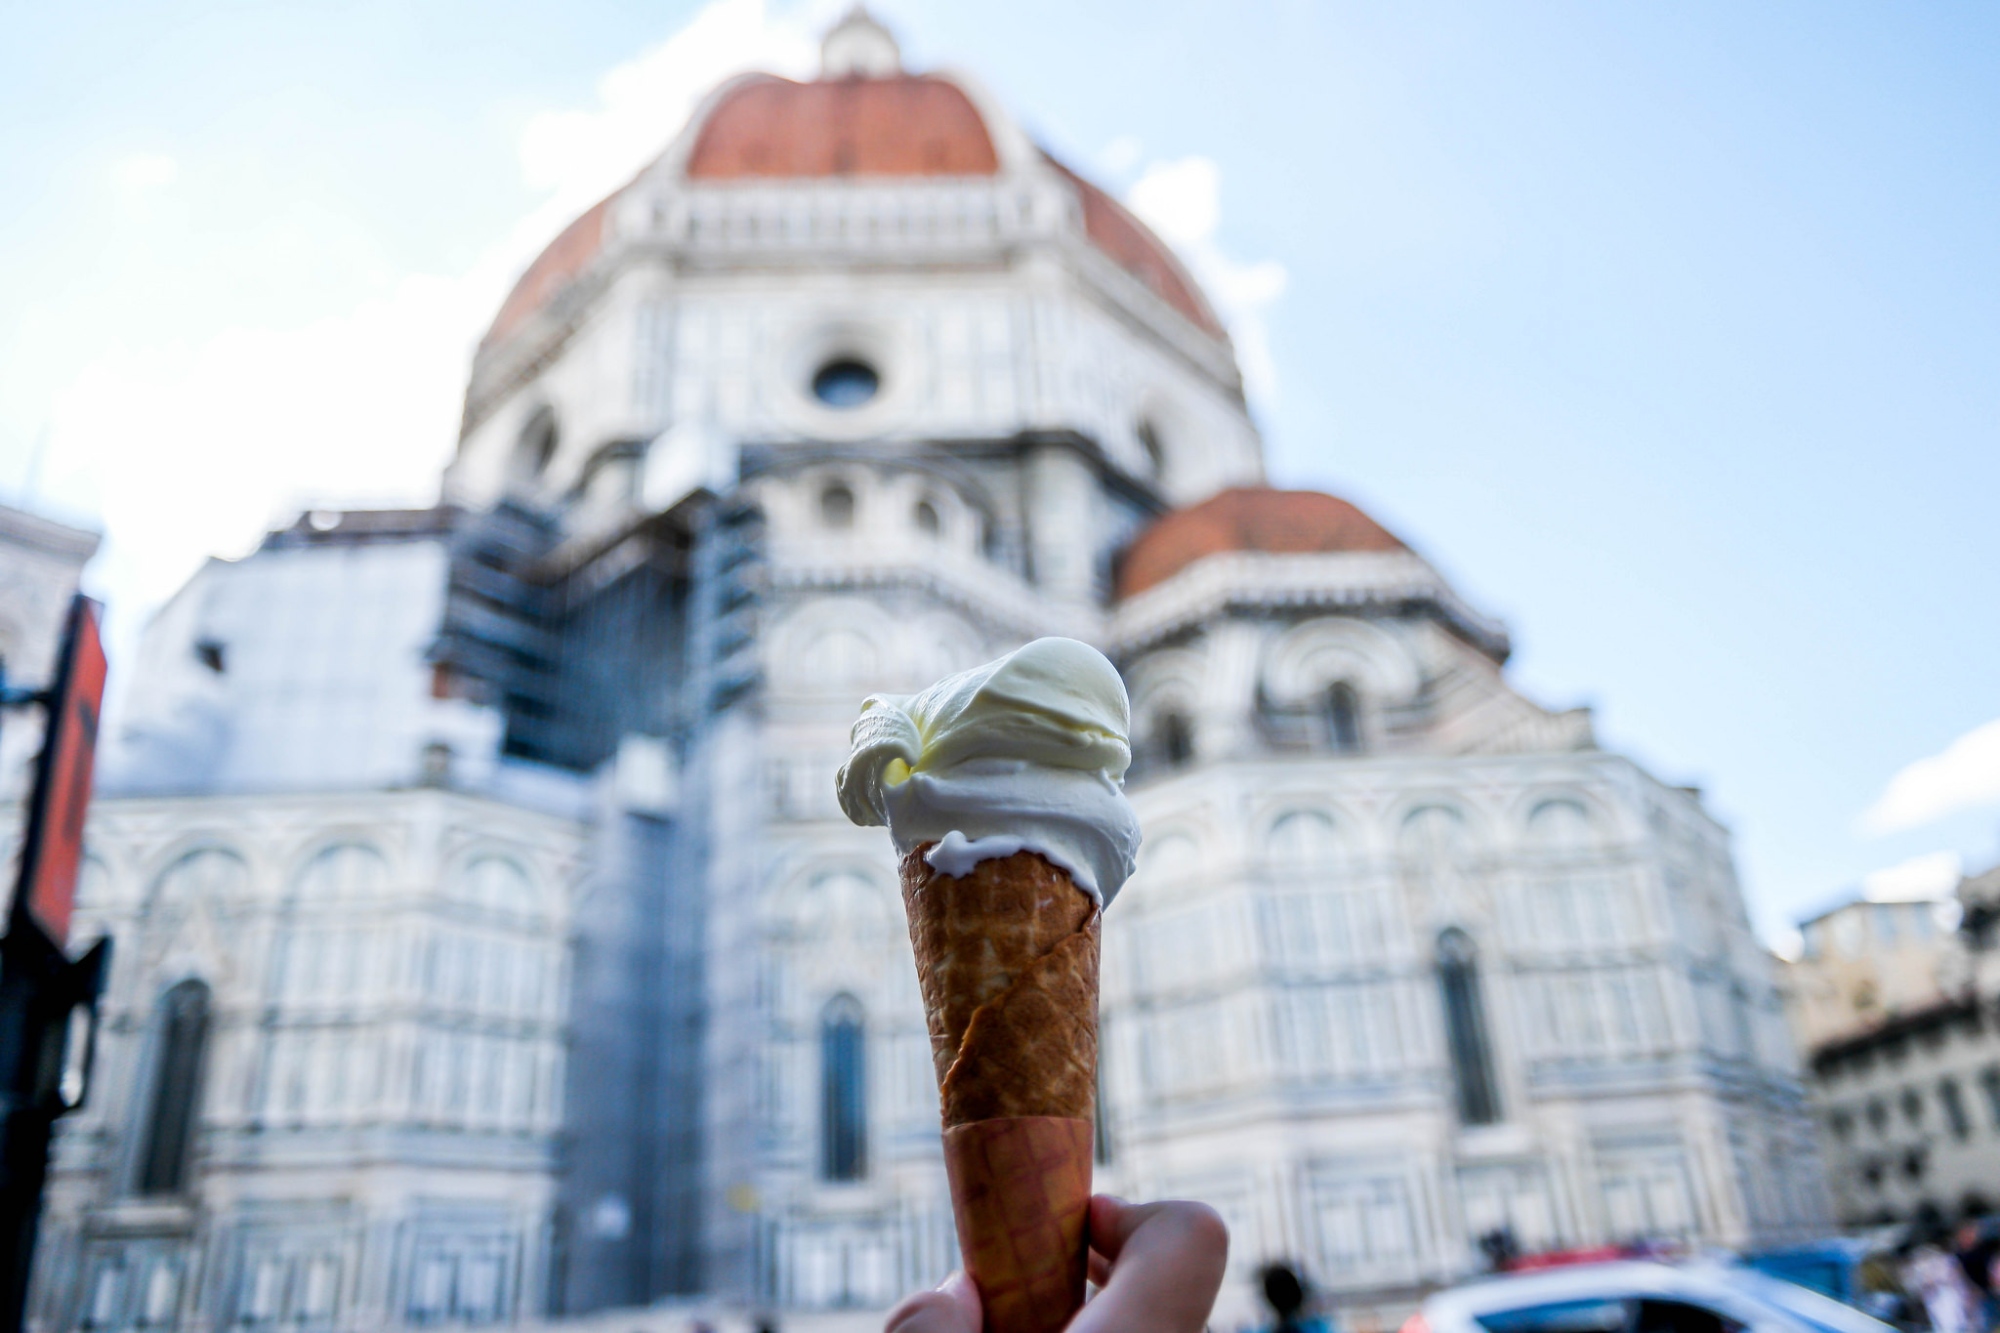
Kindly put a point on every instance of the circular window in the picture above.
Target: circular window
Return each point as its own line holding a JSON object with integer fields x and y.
{"x": 846, "y": 383}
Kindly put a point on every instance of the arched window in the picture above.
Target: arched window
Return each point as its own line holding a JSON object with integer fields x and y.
{"x": 1303, "y": 840}
{"x": 1562, "y": 827}
{"x": 1433, "y": 841}
{"x": 838, "y": 660}
{"x": 1465, "y": 1029}
{"x": 342, "y": 873}
{"x": 181, "y": 1037}
{"x": 537, "y": 446}
{"x": 498, "y": 884}
{"x": 843, "y": 908}
{"x": 1149, "y": 440}
{"x": 207, "y": 874}
{"x": 836, "y": 506}
{"x": 1343, "y": 719}
{"x": 1173, "y": 738}
{"x": 843, "y": 1133}
{"x": 926, "y": 516}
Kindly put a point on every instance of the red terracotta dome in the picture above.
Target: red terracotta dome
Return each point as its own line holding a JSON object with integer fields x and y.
{"x": 893, "y": 126}
{"x": 1113, "y": 229}
{"x": 1249, "y": 518}
{"x": 904, "y": 125}
{"x": 568, "y": 255}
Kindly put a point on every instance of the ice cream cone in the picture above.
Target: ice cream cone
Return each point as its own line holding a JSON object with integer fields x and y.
{"x": 1007, "y": 962}
{"x": 1002, "y": 787}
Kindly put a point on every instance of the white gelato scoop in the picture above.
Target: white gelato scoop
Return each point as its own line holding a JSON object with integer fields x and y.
{"x": 1024, "y": 754}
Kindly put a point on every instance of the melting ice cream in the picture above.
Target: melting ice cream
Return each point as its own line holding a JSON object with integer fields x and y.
{"x": 1024, "y": 754}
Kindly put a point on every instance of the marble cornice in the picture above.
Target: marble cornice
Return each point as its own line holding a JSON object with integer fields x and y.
{"x": 1253, "y": 580}
{"x": 22, "y": 528}
{"x": 715, "y": 228}
{"x": 988, "y": 595}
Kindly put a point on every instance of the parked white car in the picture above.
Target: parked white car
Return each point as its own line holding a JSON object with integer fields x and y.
{"x": 1638, "y": 1297}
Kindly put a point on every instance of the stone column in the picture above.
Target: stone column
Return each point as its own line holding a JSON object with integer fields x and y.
{"x": 1057, "y": 493}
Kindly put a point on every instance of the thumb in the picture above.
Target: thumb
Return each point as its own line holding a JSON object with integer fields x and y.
{"x": 952, "y": 1308}
{"x": 1166, "y": 1264}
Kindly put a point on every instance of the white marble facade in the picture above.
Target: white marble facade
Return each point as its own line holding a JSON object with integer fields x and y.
{"x": 379, "y": 980}
{"x": 1321, "y": 903}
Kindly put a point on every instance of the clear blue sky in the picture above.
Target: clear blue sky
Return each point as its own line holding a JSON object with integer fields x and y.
{"x": 1670, "y": 332}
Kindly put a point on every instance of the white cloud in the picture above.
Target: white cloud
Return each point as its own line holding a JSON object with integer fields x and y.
{"x": 1182, "y": 201}
{"x": 189, "y": 451}
{"x": 1121, "y": 155}
{"x": 1965, "y": 775}
{"x": 144, "y": 172}
{"x": 582, "y": 154}
{"x": 1919, "y": 879}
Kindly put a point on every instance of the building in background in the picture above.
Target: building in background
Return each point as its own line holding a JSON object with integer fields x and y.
{"x": 1409, "y": 960}
{"x": 329, "y": 1081}
{"x": 1870, "y": 960}
{"x": 1906, "y": 1088}
{"x": 420, "y": 817}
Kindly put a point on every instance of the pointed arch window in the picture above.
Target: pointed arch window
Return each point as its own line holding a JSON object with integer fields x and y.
{"x": 843, "y": 1151}
{"x": 1343, "y": 718}
{"x": 1465, "y": 1030}
{"x": 181, "y": 1034}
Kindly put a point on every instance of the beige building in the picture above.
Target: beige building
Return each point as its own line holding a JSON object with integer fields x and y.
{"x": 1866, "y": 962}
{"x": 1899, "y": 1015}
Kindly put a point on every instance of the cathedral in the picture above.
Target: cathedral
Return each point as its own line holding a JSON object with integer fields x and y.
{"x": 490, "y": 946}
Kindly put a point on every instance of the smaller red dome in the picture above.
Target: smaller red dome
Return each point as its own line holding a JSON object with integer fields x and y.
{"x": 1249, "y": 518}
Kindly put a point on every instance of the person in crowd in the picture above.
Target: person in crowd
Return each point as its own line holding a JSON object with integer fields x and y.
{"x": 1977, "y": 1248}
{"x": 1157, "y": 1267}
{"x": 1931, "y": 1273}
{"x": 1289, "y": 1298}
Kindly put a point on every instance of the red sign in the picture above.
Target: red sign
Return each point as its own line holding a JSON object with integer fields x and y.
{"x": 53, "y": 851}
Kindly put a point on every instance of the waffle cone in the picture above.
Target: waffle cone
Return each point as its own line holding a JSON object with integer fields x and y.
{"x": 1007, "y": 963}
{"x": 1020, "y": 1190}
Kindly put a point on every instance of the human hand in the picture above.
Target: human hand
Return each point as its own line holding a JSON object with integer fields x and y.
{"x": 952, "y": 1308}
{"x": 1158, "y": 1267}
